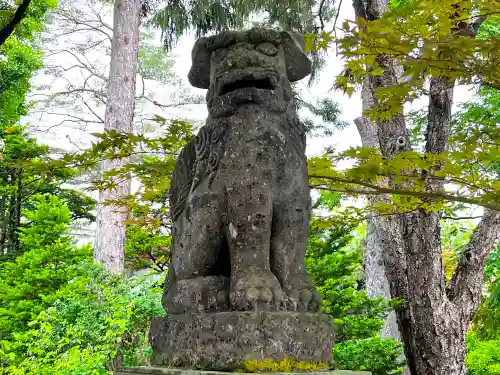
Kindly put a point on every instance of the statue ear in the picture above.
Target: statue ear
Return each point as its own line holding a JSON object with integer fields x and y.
{"x": 298, "y": 64}
{"x": 199, "y": 74}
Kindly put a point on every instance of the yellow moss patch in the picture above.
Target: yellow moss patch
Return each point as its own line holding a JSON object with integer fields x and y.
{"x": 285, "y": 365}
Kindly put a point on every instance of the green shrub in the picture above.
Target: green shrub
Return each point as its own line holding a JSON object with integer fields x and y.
{"x": 82, "y": 333}
{"x": 335, "y": 269}
{"x": 145, "y": 248}
{"x": 375, "y": 354}
{"x": 483, "y": 357}
{"x": 334, "y": 261}
{"x": 33, "y": 281}
{"x": 60, "y": 314}
{"x": 483, "y": 343}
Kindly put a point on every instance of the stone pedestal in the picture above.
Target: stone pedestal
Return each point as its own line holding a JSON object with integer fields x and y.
{"x": 225, "y": 340}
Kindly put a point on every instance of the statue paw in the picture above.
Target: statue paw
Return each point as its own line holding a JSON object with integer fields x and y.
{"x": 255, "y": 289}
{"x": 198, "y": 294}
{"x": 301, "y": 295}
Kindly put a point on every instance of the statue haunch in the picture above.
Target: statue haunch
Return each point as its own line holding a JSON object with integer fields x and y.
{"x": 240, "y": 200}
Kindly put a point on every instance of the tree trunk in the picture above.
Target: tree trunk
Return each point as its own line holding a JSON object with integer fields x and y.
{"x": 110, "y": 238}
{"x": 434, "y": 318}
{"x": 376, "y": 282}
{"x": 16, "y": 213}
{"x": 4, "y": 207}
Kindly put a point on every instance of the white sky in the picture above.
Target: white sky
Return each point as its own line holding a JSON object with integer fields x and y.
{"x": 351, "y": 106}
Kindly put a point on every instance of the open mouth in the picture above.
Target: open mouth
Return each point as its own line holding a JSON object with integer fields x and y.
{"x": 263, "y": 84}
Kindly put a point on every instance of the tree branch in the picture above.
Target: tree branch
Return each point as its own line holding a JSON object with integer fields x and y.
{"x": 465, "y": 285}
{"x": 78, "y": 21}
{"x": 320, "y": 15}
{"x": 19, "y": 15}
{"x": 461, "y": 217}
{"x": 379, "y": 190}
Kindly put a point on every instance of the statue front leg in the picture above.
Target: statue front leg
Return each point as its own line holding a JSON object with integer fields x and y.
{"x": 197, "y": 276}
{"x": 288, "y": 248}
{"x": 253, "y": 285}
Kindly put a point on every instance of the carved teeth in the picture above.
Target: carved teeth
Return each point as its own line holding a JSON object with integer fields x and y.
{"x": 238, "y": 80}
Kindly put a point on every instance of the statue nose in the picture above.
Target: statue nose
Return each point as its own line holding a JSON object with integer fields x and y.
{"x": 235, "y": 61}
{"x": 240, "y": 59}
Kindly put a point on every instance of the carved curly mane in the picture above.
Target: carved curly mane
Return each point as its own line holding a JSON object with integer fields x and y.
{"x": 182, "y": 179}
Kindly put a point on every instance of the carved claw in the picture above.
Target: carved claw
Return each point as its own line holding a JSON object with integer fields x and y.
{"x": 302, "y": 296}
{"x": 197, "y": 294}
{"x": 292, "y": 302}
{"x": 256, "y": 298}
{"x": 305, "y": 296}
{"x": 256, "y": 290}
{"x": 315, "y": 303}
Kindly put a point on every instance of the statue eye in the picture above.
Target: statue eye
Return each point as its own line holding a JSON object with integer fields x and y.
{"x": 267, "y": 49}
{"x": 219, "y": 54}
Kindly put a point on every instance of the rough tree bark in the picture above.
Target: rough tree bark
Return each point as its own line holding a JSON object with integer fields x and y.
{"x": 434, "y": 318}
{"x": 110, "y": 237}
{"x": 376, "y": 282}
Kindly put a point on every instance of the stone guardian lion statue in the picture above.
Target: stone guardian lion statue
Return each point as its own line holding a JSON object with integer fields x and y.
{"x": 239, "y": 199}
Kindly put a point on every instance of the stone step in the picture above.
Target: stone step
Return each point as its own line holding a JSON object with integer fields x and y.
{"x": 174, "y": 371}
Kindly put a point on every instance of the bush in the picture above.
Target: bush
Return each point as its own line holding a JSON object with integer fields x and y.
{"x": 380, "y": 356}
{"x": 82, "y": 333}
{"x": 49, "y": 261}
{"x": 60, "y": 313}
{"x": 145, "y": 248}
{"x": 334, "y": 261}
{"x": 483, "y": 343}
{"x": 483, "y": 357}
{"x": 335, "y": 269}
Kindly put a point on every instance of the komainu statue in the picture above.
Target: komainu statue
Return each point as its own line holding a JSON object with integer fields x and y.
{"x": 240, "y": 206}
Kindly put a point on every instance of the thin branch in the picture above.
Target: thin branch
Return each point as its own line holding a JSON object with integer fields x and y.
{"x": 378, "y": 190}
{"x": 461, "y": 217}
{"x": 87, "y": 23}
{"x": 335, "y": 21}
{"x": 98, "y": 14}
{"x": 87, "y": 66}
{"x": 163, "y": 106}
{"x": 97, "y": 94}
{"x": 320, "y": 14}
{"x": 101, "y": 120}
{"x": 19, "y": 15}
{"x": 160, "y": 265}
{"x": 73, "y": 119}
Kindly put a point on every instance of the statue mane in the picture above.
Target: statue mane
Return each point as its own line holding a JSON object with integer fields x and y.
{"x": 182, "y": 179}
{"x": 190, "y": 168}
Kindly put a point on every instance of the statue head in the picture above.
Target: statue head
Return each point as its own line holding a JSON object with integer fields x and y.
{"x": 248, "y": 67}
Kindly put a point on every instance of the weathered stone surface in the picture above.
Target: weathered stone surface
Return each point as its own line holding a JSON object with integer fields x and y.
{"x": 225, "y": 340}
{"x": 173, "y": 371}
{"x": 237, "y": 286}
{"x": 240, "y": 202}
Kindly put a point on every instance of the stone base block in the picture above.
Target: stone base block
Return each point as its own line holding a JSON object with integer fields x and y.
{"x": 225, "y": 340}
{"x": 173, "y": 371}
